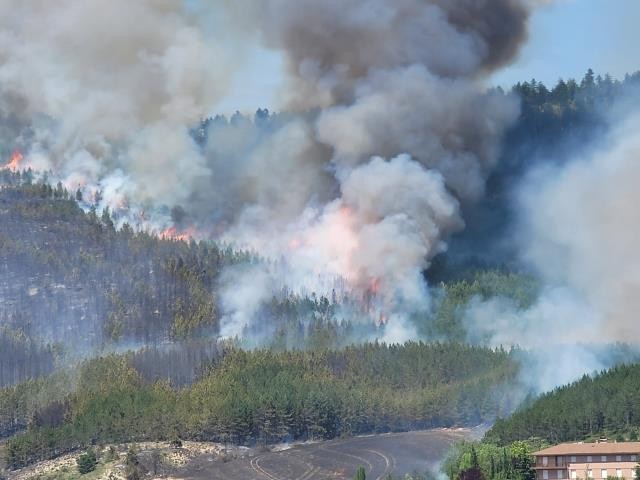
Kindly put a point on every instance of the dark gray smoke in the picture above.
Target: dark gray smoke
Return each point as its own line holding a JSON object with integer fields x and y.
{"x": 399, "y": 120}
{"x": 391, "y": 126}
{"x": 332, "y": 46}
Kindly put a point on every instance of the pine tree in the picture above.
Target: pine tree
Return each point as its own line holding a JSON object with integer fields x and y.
{"x": 87, "y": 462}
{"x": 473, "y": 472}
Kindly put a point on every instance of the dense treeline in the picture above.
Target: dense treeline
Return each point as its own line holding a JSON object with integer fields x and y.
{"x": 265, "y": 396}
{"x": 486, "y": 461}
{"x": 570, "y": 111}
{"x": 73, "y": 283}
{"x": 69, "y": 275}
{"x": 70, "y": 279}
{"x": 22, "y": 357}
{"x": 22, "y": 405}
{"x": 605, "y": 405}
{"x": 177, "y": 364}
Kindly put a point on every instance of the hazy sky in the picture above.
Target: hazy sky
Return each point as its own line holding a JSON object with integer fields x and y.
{"x": 566, "y": 38}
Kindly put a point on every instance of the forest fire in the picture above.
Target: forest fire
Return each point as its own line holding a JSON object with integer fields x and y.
{"x": 14, "y": 161}
{"x": 172, "y": 233}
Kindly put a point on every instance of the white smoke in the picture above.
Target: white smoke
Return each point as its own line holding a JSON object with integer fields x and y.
{"x": 396, "y": 129}
{"x": 580, "y": 234}
{"x": 391, "y": 127}
{"x": 445, "y": 124}
{"x": 242, "y": 289}
{"x": 583, "y": 231}
{"x": 108, "y": 88}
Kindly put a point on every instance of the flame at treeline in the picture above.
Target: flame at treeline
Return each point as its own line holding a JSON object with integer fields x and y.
{"x": 172, "y": 233}
{"x": 14, "y": 161}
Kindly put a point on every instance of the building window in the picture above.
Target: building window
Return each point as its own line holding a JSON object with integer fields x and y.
{"x": 618, "y": 458}
{"x": 559, "y": 474}
{"x": 604, "y": 473}
{"x": 589, "y": 459}
{"x": 619, "y": 472}
{"x": 603, "y": 458}
{"x": 573, "y": 459}
{"x": 633, "y": 458}
{"x": 545, "y": 474}
{"x": 633, "y": 473}
{"x": 589, "y": 473}
{"x": 545, "y": 461}
{"x": 574, "y": 475}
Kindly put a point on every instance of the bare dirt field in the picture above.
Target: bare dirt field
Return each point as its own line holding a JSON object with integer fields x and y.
{"x": 380, "y": 455}
{"x": 395, "y": 453}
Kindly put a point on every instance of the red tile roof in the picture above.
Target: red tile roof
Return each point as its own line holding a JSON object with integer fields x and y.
{"x": 600, "y": 448}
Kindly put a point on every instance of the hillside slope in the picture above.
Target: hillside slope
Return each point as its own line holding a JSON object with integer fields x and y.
{"x": 605, "y": 405}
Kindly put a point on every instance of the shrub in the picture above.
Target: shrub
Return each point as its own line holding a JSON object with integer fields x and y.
{"x": 87, "y": 462}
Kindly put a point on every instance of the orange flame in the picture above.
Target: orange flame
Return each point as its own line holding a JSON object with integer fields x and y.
{"x": 14, "y": 161}
{"x": 172, "y": 233}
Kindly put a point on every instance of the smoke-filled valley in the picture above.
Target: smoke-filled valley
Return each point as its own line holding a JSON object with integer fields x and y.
{"x": 399, "y": 245}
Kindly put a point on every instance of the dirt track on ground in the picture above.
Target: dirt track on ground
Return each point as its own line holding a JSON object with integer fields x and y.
{"x": 395, "y": 453}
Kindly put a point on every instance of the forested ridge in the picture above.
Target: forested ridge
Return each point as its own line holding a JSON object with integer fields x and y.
{"x": 70, "y": 275}
{"x": 73, "y": 286}
{"x": 262, "y": 396}
{"x": 557, "y": 123}
{"x": 606, "y": 405}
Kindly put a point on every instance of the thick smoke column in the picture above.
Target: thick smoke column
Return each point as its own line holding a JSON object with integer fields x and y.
{"x": 399, "y": 120}
{"x": 389, "y": 127}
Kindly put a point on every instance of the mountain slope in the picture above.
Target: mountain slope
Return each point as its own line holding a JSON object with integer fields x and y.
{"x": 605, "y": 405}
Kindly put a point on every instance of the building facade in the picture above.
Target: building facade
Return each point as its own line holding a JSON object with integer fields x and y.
{"x": 586, "y": 461}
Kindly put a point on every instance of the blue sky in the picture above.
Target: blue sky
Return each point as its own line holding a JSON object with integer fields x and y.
{"x": 570, "y": 36}
{"x": 566, "y": 38}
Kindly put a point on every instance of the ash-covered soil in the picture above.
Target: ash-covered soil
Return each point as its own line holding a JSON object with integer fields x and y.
{"x": 395, "y": 453}
{"x": 380, "y": 455}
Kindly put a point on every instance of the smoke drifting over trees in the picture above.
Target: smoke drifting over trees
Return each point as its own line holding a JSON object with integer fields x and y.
{"x": 367, "y": 80}
{"x": 592, "y": 248}
{"x": 137, "y": 227}
{"x": 390, "y": 162}
{"x": 375, "y": 93}
{"x": 389, "y": 138}
{"x": 573, "y": 229}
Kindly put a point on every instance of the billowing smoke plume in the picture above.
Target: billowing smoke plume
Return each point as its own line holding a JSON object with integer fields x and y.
{"x": 389, "y": 130}
{"x": 368, "y": 185}
{"x": 580, "y": 233}
{"x": 333, "y": 47}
